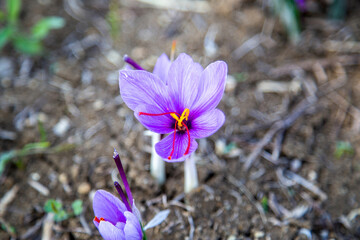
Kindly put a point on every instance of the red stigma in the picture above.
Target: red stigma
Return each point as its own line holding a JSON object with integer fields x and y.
{"x": 96, "y": 219}
{"x": 173, "y": 144}
{"x": 179, "y": 125}
{"x": 188, "y": 146}
{"x": 156, "y": 114}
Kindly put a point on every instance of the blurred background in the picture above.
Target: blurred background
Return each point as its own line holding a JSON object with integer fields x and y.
{"x": 284, "y": 165}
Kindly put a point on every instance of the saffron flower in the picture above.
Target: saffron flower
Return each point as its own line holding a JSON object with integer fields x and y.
{"x": 157, "y": 165}
{"x": 178, "y": 99}
{"x": 115, "y": 219}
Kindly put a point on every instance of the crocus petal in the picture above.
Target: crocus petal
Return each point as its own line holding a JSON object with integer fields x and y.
{"x": 136, "y": 211}
{"x": 164, "y": 147}
{"x": 160, "y": 124}
{"x": 162, "y": 66}
{"x": 132, "y": 227}
{"x": 207, "y": 123}
{"x": 109, "y": 207}
{"x": 211, "y": 88}
{"x": 139, "y": 87}
{"x": 183, "y": 81}
{"x": 109, "y": 232}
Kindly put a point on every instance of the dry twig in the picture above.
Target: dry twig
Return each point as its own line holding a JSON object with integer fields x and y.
{"x": 276, "y": 127}
{"x": 288, "y": 69}
{"x": 248, "y": 194}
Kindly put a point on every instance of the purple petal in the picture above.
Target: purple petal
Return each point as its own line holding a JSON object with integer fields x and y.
{"x": 120, "y": 168}
{"x": 211, "y": 88}
{"x": 136, "y": 211}
{"x": 140, "y": 87}
{"x": 162, "y": 124}
{"x": 207, "y": 123}
{"x": 109, "y": 207}
{"x": 162, "y": 66}
{"x": 109, "y": 232}
{"x": 164, "y": 147}
{"x": 132, "y": 227}
{"x": 183, "y": 81}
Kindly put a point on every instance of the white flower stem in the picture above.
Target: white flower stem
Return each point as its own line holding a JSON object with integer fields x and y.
{"x": 157, "y": 164}
{"x": 191, "y": 178}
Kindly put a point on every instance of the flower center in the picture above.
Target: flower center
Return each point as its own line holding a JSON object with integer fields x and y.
{"x": 180, "y": 125}
{"x": 96, "y": 219}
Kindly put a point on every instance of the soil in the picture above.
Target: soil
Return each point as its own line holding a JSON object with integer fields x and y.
{"x": 305, "y": 191}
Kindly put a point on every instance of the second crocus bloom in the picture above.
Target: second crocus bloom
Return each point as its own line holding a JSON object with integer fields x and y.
{"x": 182, "y": 104}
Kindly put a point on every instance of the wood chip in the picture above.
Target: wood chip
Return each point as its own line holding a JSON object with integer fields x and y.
{"x": 7, "y": 199}
{"x": 39, "y": 187}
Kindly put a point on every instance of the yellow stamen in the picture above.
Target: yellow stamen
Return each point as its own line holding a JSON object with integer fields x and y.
{"x": 172, "y": 53}
{"x": 183, "y": 116}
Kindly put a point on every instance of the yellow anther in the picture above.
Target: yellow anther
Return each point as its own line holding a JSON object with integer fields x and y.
{"x": 175, "y": 116}
{"x": 183, "y": 116}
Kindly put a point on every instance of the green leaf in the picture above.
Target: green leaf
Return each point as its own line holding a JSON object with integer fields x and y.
{"x": 5, "y": 157}
{"x": 289, "y": 16}
{"x": 41, "y": 29}
{"x": 60, "y": 216}
{"x": 2, "y": 16}
{"x": 5, "y": 35}
{"x": 343, "y": 148}
{"x": 265, "y": 204}
{"x": 337, "y": 10}
{"x": 53, "y": 206}
{"x": 28, "y": 45}
{"x": 13, "y": 8}
{"x": 43, "y": 135}
{"x": 77, "y": 207}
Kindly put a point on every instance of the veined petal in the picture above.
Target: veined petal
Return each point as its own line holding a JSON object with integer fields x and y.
{"x": 109, "y": 232}
{"x": 109, "y": 207}
{"x": 207, "y": 123}
{"x": 162, "y": 66}
{"x": 183, "y": 81}
{"x": 211, "y": 87}
{"x": 164, "y": 147}
{"x": 139, "y": 87}
{"x": 162, "y": 124}
{"x": 132, "y": 227}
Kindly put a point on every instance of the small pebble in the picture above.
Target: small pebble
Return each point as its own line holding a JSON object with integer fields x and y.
{"x": 77, "y": 159}
{"x": 112, "y": 78}
{"x": 63, "y": 178}
{"x": 114, "y": 57}
{"x": 312, "y": 175}
{"x": 231, "y": 237}
{"x": 86, "y": 77}
{"x": 62, "y": 127}
{"x": 35, "y": 176}
{"x": 230, "y": 83}
{"x": 6, "y": 68}
{"x": 98, "y": 105}
{"x": 42, "y": 117}
{"x": 75, "y": 171}
{"x": 295, "y": 165}
{"x": 84, "y": 188}
{"x": 259, "y": 234}
{"x": 220, "y": 146}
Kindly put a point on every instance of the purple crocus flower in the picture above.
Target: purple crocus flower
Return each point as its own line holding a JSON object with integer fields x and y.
{"x": 178, "y": 99}
{"x": 115, "y": 219}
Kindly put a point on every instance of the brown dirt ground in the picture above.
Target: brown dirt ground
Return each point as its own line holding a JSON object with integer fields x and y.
{"x": 225, "y": 204}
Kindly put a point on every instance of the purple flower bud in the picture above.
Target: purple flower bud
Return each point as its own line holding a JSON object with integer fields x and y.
{"x": 115, "y": 219}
